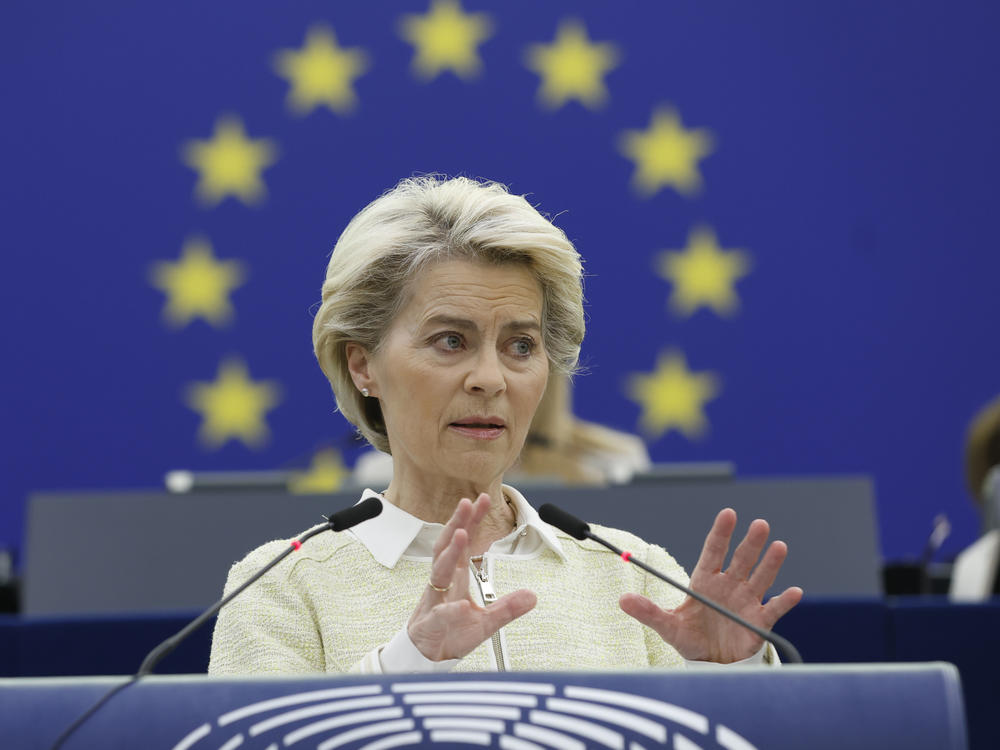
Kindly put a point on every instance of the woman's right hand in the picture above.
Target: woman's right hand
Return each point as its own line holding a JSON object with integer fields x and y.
{"x": 448, "y": 624}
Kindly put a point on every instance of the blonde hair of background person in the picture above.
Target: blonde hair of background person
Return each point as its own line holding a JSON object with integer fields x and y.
{"x": 446, "y": 307}
{"x": 562, "y": 446}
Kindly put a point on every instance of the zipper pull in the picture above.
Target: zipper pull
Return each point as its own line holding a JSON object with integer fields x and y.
{"x": 489, "y": 595}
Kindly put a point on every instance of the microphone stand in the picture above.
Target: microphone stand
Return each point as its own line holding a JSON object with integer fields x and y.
{"x": 157, "y": 655}
{"x": 339, "y": 521}
{"x": 580, "y": 530}
{"x": 784, "y": 647}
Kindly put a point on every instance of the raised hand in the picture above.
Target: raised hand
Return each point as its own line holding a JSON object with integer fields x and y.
{"x": 697, "y": 632}
{"x": 447, "y": 623}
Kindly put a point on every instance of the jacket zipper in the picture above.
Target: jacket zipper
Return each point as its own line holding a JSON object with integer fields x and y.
{"x": 489, "y": 595}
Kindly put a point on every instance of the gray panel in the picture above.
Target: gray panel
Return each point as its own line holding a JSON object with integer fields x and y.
{"x": 828, "y": 524}
{"x": 136, "y": 551}
{"x": 151, "y": 551}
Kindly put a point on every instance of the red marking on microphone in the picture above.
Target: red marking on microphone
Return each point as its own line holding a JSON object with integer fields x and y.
{"x": 296, "y": 544}
{"x": 626, "y": 556}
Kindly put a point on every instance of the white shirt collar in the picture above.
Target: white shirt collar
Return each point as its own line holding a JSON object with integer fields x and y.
{"x": 394, "y": 533}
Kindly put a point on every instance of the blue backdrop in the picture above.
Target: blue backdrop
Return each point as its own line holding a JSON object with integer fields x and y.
{"x": 786, "y": 211}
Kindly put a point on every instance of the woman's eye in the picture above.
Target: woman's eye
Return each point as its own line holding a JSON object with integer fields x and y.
{"x": 523, "y": 347}
{"x": 451, "y": 341}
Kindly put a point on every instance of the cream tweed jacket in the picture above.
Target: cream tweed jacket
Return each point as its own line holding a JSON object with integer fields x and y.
{"x": 330, "y": 607}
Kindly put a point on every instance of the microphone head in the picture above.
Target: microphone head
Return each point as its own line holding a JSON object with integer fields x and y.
{"x": 348, "y": 517}
{"x": 564, "y": 521}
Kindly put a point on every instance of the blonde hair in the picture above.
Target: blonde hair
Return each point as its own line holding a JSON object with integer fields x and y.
{"x": 424, "y": 220}
{"x": 562, "y": 446}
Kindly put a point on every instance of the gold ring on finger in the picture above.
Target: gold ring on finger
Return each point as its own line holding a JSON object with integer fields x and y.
{"x": 438, "y": 588}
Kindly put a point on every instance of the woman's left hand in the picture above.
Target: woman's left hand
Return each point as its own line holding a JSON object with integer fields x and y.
{"x": 701, "y": 634}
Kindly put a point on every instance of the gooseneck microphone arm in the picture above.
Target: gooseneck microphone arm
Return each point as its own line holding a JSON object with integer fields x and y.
{"x": 339, "y": 521}
{"x": 581, "y": 530}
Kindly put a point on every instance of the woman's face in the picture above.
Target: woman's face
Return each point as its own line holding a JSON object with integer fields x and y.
{"x": 461, "y": 371}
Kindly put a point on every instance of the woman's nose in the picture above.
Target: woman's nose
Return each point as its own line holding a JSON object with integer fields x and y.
{"x": 486, "y": 375}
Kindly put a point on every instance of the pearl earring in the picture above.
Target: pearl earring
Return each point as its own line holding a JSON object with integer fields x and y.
{"x": 364, "y": 392}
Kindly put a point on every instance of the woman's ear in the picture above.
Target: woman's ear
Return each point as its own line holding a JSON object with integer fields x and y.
{"x": 359, "y": 365}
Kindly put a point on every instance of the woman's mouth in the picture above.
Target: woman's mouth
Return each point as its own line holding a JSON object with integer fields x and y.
{"x": 488, "y": 428}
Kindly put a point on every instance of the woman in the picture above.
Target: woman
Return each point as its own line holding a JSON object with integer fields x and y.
{"x": 446, "y": 306}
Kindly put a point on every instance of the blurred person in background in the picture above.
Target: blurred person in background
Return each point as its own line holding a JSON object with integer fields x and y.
{"x": 982, "y": 462}
{"x": 563, "y": 447}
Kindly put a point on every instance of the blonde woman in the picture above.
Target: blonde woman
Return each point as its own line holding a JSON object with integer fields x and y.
{"x": 447, "y": 306}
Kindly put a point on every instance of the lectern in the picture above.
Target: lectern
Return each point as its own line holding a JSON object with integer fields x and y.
{"x": 917, "y": 707}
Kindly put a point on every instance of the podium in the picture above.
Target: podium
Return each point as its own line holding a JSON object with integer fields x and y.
{"x": 917, "y": 707}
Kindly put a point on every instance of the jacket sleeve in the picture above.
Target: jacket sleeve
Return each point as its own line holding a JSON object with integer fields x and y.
{"x": 269, "y": 628}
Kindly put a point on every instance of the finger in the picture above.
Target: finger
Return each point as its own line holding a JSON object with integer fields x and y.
{"x": 460, "y": 573}
{"x": 649, "y": 614}
{"x": 472, "y": 513}
{"x": 459, "y": 519}
{"x": 764, "y": 576}
{"x": 479, "y": 510}
{"x": 713, "y": 553}
{"x": 508, "y": 608}
{"x": 748, "y": 551}
{"x": 778, "y": 606}
{"x": 444, "y": 565}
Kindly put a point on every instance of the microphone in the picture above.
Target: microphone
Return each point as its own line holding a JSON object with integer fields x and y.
{"x": 339, "y": 521}
{"x": 581, "y": 530}
{"x": 348, "y": 517}
{"x": 940, "y": 532}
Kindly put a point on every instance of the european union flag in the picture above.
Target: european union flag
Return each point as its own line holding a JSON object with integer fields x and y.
{"x": 786, "y": 212}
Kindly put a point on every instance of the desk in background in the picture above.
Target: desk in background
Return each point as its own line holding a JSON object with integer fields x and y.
{"x": 114, "y": 552}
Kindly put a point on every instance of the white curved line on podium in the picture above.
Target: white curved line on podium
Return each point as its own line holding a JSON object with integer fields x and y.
{"x": 317, "y": 727}
{"x": 397, "y": 740}
{"x": 588, "y": 729}
{"x": 489, "y": 712}
{"x": 291, "y": 700}
{"x": 538, "y": 688}
{"x": 384, "y": 727}
{"x": 319, "y": 709}
{"x": 458, "y": 735}
{"x": 481, "y": 725}
{"x": 683, "y": 716}
{"x": 640, "y": 724}
{"x": 551, "y": 737}
{"x": 526, "y": 701}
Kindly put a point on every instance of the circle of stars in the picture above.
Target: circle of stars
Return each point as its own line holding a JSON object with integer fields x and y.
{"x": 323, "y": 73}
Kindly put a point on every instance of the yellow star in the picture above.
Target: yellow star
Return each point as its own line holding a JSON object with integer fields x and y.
{"x": 666, "y": 155}
{"x": 571, "y": 67}
{"x": 446, "y": 39}
{"x": 325, "y": 474}
{"x": 229, "y": 163}
{"x": 703, "y": 274}
{"x": 321, "y": 73}
{"x": 197, "y": 285}
{"x": 673, "y": 397}
{"x": 233, "y": 406}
